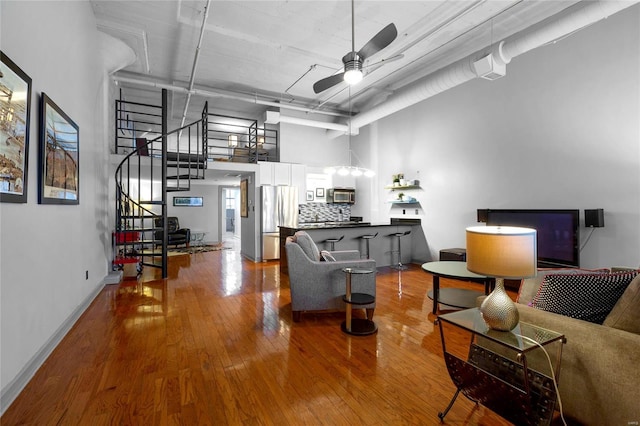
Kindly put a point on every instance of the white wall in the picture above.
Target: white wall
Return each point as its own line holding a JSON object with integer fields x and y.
{"x": 310, "y": 146}
{"x": 561, "y": 130}
{"x": 46, "y": 249}
{"x": 205, "y": 218}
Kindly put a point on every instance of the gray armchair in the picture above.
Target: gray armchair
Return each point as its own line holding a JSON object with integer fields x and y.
{"x": 320, "y": 285}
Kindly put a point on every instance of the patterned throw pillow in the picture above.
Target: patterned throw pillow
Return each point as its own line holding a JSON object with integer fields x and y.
{"x": 589, "y": 297}
{"x": 529, "y": 287}
{"x": 625, "y": 315}
{"x": 326, "y": 256}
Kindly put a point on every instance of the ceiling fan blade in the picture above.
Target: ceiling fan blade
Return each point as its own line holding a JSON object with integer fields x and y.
{"x": 379, "y": 41}
{"x": 328, "y": 82}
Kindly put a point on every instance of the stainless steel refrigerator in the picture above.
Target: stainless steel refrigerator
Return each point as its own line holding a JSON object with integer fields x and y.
{"x": 279, "y": 208}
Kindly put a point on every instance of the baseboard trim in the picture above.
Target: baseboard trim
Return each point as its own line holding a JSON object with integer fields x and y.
{"x": 12, "y": 390}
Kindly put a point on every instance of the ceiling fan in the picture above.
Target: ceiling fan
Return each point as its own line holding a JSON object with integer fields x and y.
{"x": 353, "y": 60}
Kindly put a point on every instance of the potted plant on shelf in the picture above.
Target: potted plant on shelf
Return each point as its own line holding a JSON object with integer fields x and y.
{"x": 401, "y": 196}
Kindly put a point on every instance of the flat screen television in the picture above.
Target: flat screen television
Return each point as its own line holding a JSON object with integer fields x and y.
{"x": 558, "y": 233}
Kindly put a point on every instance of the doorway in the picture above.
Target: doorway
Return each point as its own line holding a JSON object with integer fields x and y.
{"x": 230, "y": 217}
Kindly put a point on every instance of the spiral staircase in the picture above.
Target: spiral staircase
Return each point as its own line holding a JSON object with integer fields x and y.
{"x": 146, "y": 175}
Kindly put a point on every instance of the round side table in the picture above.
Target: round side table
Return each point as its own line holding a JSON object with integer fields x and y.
{"x": 357, "y": 326}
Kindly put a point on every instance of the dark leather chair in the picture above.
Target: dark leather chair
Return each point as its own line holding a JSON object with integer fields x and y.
{"x": 175, "y": 234}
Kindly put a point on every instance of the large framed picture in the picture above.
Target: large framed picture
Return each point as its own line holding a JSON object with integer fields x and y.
{"x": 15, "y": 114}
{"x": 244, "y": 194}
{"x": 59, "y": 171}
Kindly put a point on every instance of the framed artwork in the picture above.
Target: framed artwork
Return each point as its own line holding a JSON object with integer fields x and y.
{"x": 188, "y": 201}
{"x": 244, "y": 186}
{"x": 320, "y": 192}
{"x": 59, "y": 172}
{"x": 309, "y": 195}
{"x": 15, "y": 114}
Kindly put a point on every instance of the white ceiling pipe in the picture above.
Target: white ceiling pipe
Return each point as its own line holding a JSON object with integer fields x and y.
{"x": 342, "y": 128}
{"x": 462, "y": 71}
{"x": 148, "y": 83}
{"x": 224, "y": 94}
{"x": 196, "y": 59}
{"x": 592, "y": 12}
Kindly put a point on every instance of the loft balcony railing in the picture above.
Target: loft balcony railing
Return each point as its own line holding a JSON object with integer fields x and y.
{"x": 229, "y": 139}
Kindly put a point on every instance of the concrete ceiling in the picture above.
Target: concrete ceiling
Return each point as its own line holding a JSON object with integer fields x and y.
{"x": 273, "y": 51}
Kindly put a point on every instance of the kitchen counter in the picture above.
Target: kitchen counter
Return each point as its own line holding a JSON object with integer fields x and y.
{"x": 328, "y": 225}
{"x": 414, "y": 247}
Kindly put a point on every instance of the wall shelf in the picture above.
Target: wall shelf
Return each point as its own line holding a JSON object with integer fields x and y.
{"x": 393, "y": 188}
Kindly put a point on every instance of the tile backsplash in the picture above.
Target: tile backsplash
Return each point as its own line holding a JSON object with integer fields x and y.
{"x": 323, "y": 212}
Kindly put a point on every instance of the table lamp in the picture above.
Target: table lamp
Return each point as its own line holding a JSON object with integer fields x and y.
{"x": 501, "y": 252}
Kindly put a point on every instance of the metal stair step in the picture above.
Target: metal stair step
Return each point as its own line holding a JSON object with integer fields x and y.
{"x": 186, "y": 176}
{"x": 130, "y": 216}
{"x": 183, "y": 165}
{"x": 183, "y": 157}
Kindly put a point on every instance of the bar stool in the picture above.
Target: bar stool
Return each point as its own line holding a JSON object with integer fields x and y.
{"x": 332, "y": 242}
{"x": 366, "y": 239}
{"x": 399, "y": 266}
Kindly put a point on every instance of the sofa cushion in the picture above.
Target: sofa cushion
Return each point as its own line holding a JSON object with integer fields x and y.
{"x": 530, "y": 286}
{"x": 625, "y": 315}
{"x": 307, "y": 245}
{"x": 589, "y": 297}
{"x": 326, "y": 256}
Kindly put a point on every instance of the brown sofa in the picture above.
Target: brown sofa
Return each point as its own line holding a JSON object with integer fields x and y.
{"x": 600, "y": 368}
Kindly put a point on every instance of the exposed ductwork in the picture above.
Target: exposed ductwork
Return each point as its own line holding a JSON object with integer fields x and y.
{"x": 116, "y": 53}
{"x": 463, "y": 70}
{"x": 274, "y": 117}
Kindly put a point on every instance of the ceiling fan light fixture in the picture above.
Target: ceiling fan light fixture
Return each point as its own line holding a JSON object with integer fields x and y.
{"x": 353, "y": 76}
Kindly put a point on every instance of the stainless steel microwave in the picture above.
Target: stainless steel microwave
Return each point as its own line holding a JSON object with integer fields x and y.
{"x": 341, "y": 195}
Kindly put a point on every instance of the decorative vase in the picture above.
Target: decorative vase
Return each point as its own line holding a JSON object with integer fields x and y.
{"x": 498, "y": 310}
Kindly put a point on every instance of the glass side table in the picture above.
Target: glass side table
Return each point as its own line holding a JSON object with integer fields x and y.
{"x": 506, "y": 371}
{"x": 455, "y": 297}
{"x": 357, "y": 326}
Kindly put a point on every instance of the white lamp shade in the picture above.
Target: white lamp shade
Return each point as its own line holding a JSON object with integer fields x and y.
{"x": 502, "y": 251}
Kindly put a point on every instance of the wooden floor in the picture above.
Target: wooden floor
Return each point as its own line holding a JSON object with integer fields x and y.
{"x": 214, "y": 344}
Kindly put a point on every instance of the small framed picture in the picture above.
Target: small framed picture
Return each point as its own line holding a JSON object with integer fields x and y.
{"x": 188, "y": 201}
{"x": 320, "y": 192}
{"x": 244, "y": 198}
{"x": 309, "y": 195}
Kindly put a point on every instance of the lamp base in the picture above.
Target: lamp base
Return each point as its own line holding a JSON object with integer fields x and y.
{"x": 498, "y": 310}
